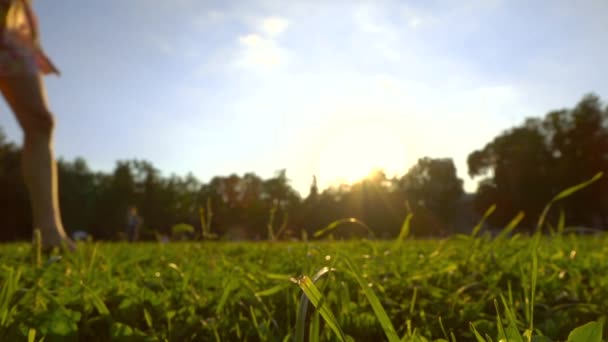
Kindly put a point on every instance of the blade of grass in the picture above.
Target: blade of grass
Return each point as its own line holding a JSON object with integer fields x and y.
{"x": 478, "y": 337}
{"x": 511, "y": 332}
{"x": 314, "y": 329}
{"x": 499, "y": 324}
{"x": 303, "y": 308}
{"x": 31, "y": 335}
{"x": 534, "y": 277}
{"x": 316, "y": 298}
{"x": 101, "y": 307}
{"x": 337, "y": 223}
{"x": 228, "y": 288}
{"x": 564, "y": 194}
{"x": 512, "y": 225}
{"x": 272, "y": 290}
{"x": 283, "y": 225}
{"x": 487, "y": 214}
{"x": 404, "y": 232}
{"x": 413, "y": 303}
{"x": 561, "y": 224}
{"x": 381, "y": 315}
{"x": 257, "y": 326}
{"x": 7, "y": 296}
{"x": 445, "y": 334}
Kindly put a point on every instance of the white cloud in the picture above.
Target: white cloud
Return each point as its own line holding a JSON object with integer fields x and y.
{"x": 274, "y": 26}
{"x": 250, "y": 40}
{"x": 260, "y": 52}
{"x": 389, "y": 53}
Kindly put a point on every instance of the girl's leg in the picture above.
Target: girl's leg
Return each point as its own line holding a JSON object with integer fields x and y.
{"x": 26, "y": 96}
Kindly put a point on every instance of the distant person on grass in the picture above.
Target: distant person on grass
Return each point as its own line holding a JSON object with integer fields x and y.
{"x": 133, "y": 223}
{"x": 22, "y": 65}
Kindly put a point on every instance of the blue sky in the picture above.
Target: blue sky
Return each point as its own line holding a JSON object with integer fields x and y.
{"x": 327, "y": 88}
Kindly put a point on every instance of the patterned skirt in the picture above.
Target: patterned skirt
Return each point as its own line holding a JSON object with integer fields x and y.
{"x": 20, "y": 49}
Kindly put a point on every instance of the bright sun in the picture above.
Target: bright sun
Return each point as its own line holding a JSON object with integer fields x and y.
{"x": 352, "y": 152}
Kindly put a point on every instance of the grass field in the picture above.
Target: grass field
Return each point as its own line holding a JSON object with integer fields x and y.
{"x": 252, "y": 291}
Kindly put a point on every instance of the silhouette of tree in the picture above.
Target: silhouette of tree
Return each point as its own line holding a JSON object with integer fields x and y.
{"x": 519, "y": 161}
{"x": 520, "y": 169}
{"x": 14, "y": 205}
{"x": 77, "y": 195}
{"x": 579, "y": 144}
{"x": 431, "y": 189}
{"x": 527, "y": 165}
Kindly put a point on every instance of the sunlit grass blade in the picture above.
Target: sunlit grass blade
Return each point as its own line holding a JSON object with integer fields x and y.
{"x": 337, "y": 223}
{"x": 272, "y": 290}
{"x": 284, "y": 225}
{"x": 534, "y": 277}
{"x": 148, "y": 319}
{"x": 303, "y": 308}
{"x": 478, "y": 336}
{"x": 511, "y": 332}
{"x": 381, "y": 315}
{"x": 487, "y": 214}
{"x": 314, "y": 330}
{"x": 445, "y": 334}
{"x": 255, "y": 322}
{"x": 561, "y": 224}
{"x": 316, "y": 298}
{"x": 564, "y": 194}
{"x": 7, "y": 295}
{"x": 404, "y": 232}
{"x": 277, "y": 276}
{"x": 511, "y": 226}
{"x": 578, "y": 187}
{"x": 413, "y": 303}
{"x": 101, "y": 307}
{"x": 230, "y": 286}
{"x": 205, "y": 216}
{"x": 499, "y": 325}
{"x": 31, "y": 335}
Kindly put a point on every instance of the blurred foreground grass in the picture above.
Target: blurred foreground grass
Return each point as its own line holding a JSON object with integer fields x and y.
{"x": 249, "y": 291}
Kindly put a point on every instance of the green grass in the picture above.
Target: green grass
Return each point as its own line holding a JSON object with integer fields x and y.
{"x": 464, "y": 288}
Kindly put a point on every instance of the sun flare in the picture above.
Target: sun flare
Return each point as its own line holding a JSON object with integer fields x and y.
{"x": 353, "y": 152}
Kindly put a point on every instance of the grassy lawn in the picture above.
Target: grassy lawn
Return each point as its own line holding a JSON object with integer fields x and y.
{"x": 252, "y": 291}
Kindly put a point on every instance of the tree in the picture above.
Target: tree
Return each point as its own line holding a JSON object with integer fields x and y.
{"x": 15, "y": 219}
{"x": 526, "y": 166}
{"x": 376, "y": 201}
{"x": 579, "y": 143}
{"x": 116, "y": 192}
{"x": 76, "y": 194}
{"x": 519, "y": 161}
{"x": 431, "y": 189}
{"x": 278, "y": 189}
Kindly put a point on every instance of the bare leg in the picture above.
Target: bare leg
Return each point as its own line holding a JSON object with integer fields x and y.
{"x": 26, "y": 96}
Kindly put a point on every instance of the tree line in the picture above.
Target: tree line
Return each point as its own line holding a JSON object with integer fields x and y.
{"x": 520, "y": 170}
